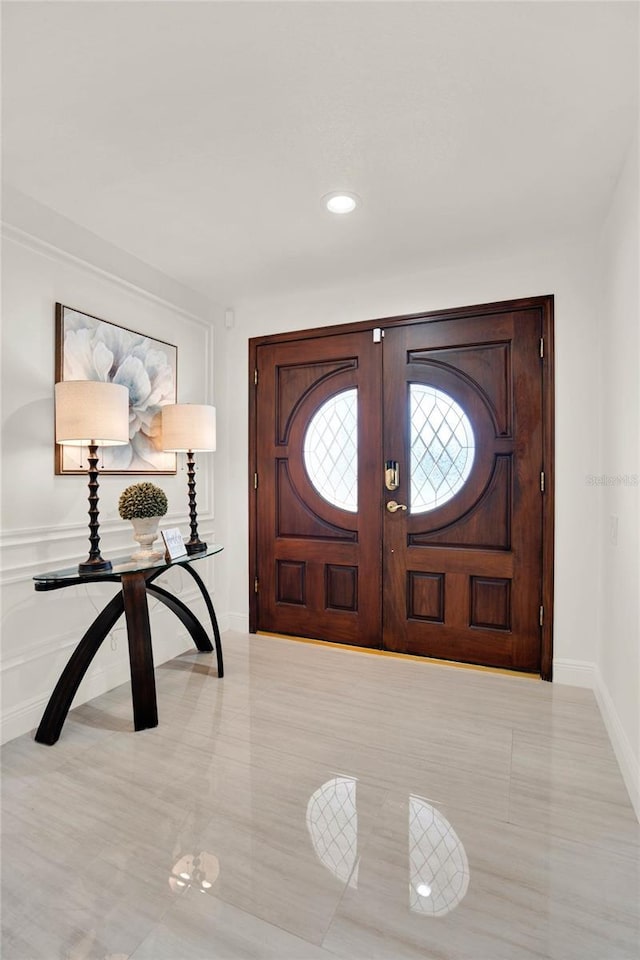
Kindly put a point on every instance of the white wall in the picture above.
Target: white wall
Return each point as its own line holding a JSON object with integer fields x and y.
{"x": 563, "y": 269}
{"x": 618, "y": 650}
{"x": 44, "y": 517}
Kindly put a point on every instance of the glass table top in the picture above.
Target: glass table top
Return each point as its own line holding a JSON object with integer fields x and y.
{"x": 121, "y": 565}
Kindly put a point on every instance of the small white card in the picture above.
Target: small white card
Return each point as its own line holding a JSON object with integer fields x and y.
{"x": 174, "y": 543}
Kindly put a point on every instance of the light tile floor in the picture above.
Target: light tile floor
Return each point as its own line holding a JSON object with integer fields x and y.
{"x": 321, "y": 803}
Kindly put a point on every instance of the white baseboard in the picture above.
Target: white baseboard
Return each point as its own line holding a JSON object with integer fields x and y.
{"x": 627, "y": 761}
{"x": 582, "y": 673}
{"x": 575, "y": 673}
{"x": 237, "y": 621}
{"x": 22, "y": 718}
{"x": 27, "y": 715}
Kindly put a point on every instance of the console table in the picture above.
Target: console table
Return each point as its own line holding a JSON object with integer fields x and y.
{"x": 137, "y": 581}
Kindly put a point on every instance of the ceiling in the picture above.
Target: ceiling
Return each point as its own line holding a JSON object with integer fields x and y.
{"x": 201, "y": 136}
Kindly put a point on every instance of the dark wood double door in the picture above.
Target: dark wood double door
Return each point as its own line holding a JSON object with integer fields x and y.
{"x": 401, "y": 481}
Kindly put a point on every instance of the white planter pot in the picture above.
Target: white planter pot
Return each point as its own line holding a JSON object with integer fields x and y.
{"x": 145, "y": 531}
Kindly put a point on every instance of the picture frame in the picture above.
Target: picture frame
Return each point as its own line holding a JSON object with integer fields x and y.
{"x": 88, "y": 348}
{"x": 173, "y": 543}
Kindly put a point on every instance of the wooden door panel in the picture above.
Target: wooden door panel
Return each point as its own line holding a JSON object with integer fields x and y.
{"x": 318, "y": 564}
{"x": 499, "y": 564}
{"x": 486, "y": 525}
{"x": 469, "y": 568}
{"x": 294, "y": 517}
{"x": 487, "y": 366}
{"x": 295, "y": 381}
{"x": 425, "y": 596}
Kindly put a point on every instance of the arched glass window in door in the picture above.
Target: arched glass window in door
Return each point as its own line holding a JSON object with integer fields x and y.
{"x": 442, "y": 447}
{"x": 331, "y": 450}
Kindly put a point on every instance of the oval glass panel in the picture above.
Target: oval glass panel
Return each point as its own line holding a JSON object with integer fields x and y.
{"x": 331, "y": 450}
{"x": 442, "y": 447}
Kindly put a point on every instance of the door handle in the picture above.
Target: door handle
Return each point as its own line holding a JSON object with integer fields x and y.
{"x": 393, "y": 506}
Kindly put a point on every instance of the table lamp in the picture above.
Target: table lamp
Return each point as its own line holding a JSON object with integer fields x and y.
{"x": 188, "y": 428}
{"x": 92, "y": 414}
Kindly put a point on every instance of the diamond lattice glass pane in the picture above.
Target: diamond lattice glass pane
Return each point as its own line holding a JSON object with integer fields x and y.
{"x": 332, "y": 822}
{"x": 438, "y": 864}
{"x": 442, "y": 447}
{"x": 331, "y": 450}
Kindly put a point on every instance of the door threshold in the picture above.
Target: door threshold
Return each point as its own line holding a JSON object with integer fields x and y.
{"x": 402, "y": 656}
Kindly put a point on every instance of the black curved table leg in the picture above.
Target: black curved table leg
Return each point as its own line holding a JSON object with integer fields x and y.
{"x": 143, "y": 681}
{"x": 193, "y": 625}
{"x": 212, "y": 614}
{"x": 65, "y": 690}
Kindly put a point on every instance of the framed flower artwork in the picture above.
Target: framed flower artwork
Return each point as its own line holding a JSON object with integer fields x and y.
{"x": 88, "y": 348}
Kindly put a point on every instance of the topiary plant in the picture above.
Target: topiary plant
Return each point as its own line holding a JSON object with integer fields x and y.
{"x": 142, "y": 500}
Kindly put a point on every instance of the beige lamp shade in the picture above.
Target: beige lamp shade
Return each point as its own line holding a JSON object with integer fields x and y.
{"x": 188, "y": 426}
{"x": 89, "y": 411}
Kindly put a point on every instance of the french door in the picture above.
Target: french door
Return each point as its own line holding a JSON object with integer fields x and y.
{"x": 401, "y": 479}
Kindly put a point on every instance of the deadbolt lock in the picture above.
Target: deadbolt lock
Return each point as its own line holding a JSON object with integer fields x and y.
{"x": 391, "y": 474}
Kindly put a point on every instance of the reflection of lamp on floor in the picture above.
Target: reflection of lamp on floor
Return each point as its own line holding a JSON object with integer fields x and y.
{"x": 92, "y": 414}
{"x": 199, "y": 871}
{"x": 187, "y": 428}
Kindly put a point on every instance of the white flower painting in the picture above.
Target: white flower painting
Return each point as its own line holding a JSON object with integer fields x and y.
{"x": 93, "y": 349}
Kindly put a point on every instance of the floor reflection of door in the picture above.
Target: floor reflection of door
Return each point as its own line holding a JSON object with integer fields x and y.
{"x": 438, "y": 865}
{"x": 401, "y": 480}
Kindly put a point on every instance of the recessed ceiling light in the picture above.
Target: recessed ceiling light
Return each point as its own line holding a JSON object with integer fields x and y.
{"x": 340, "y": 202}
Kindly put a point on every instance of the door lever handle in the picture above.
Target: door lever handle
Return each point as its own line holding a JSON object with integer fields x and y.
{"x": 393, "y": 506}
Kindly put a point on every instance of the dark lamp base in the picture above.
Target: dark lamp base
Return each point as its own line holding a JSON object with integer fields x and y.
{"x": 195, "y": 546}
{"x": 94, "y": 566}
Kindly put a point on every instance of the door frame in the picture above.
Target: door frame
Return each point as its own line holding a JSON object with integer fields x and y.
{"x": 545, "y": 306}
